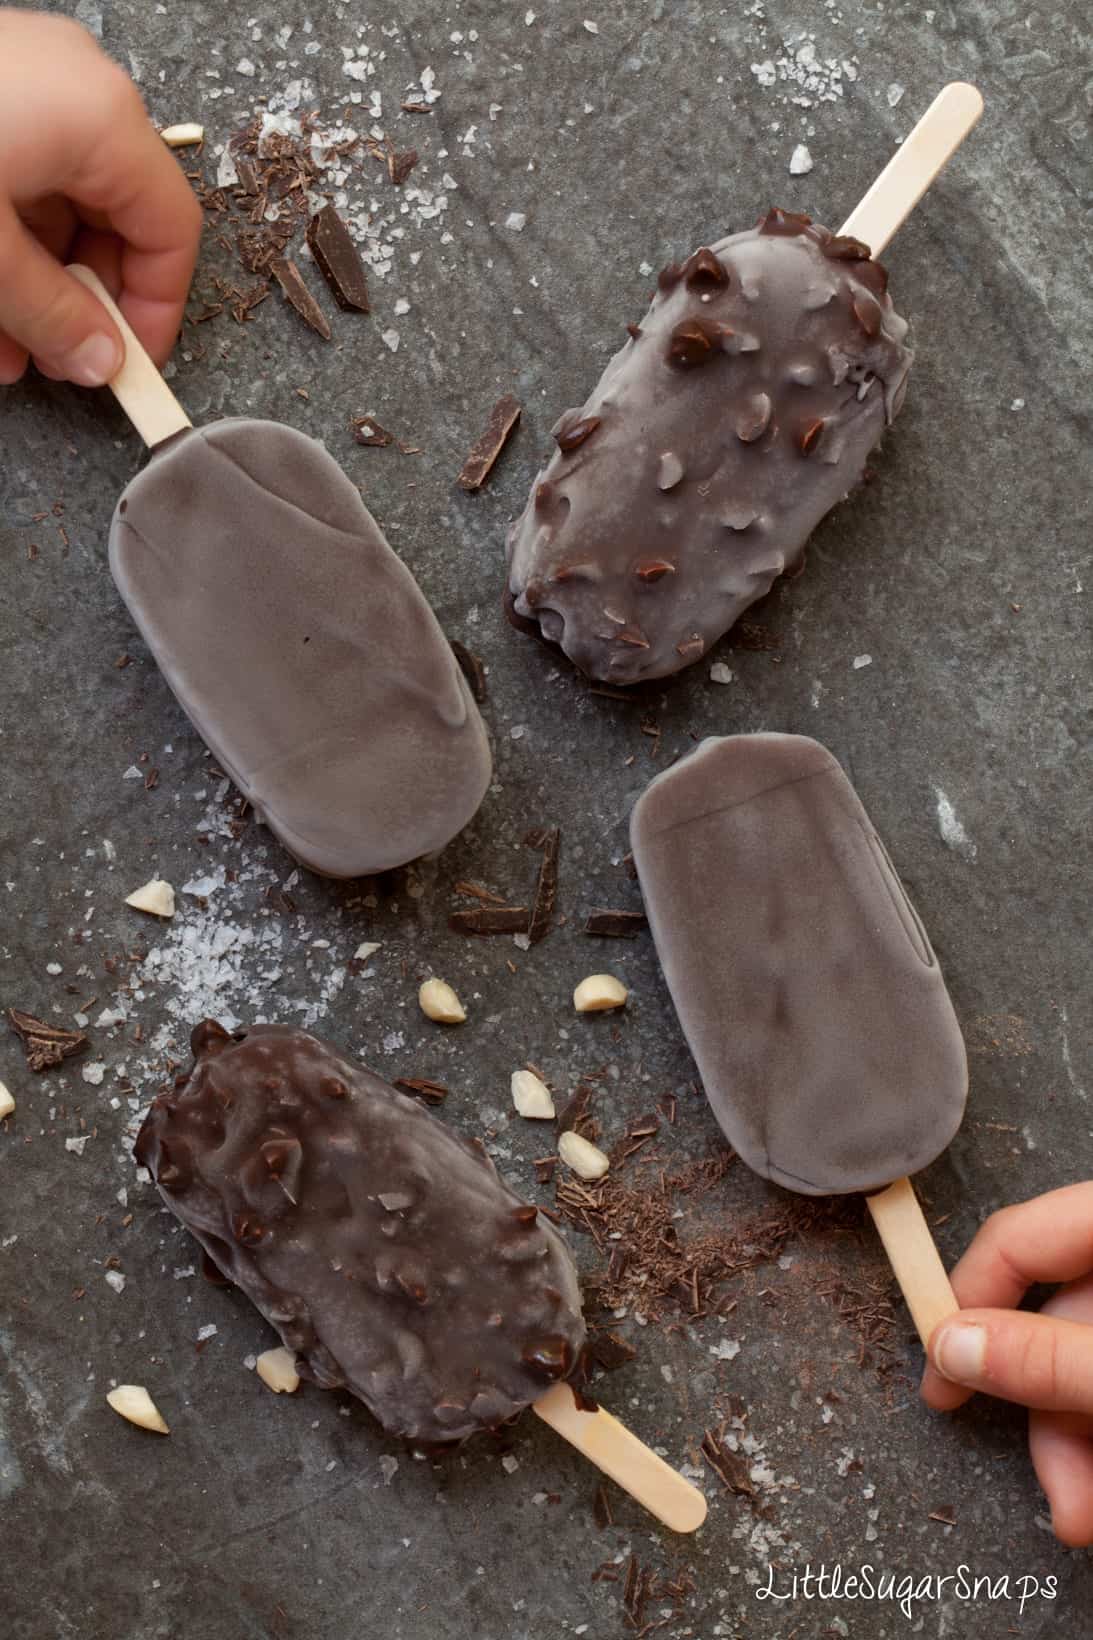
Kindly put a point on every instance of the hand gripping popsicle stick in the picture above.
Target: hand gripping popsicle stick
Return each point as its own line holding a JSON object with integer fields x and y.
{"x": 913, "y": 1255}
{"x": 914, "y": 165}
{"x": 138, "y": 386}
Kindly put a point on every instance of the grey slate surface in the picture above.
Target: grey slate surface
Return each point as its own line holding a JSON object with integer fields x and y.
{"x": 271, "y": 1517}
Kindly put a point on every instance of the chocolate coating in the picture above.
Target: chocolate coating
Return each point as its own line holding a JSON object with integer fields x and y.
{"x": 381, "y": 1245}
{"x": 804, "y": 982}
{"x": 739, "y": 412}
{"x": 300, "y": 646}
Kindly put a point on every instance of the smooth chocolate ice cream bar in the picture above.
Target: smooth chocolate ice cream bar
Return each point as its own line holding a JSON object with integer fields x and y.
{"x": 804, "y": 981}
{"x": 739, "y": 411}
{"x": 381, "y": 1245}
{"x": 300, "y": 646}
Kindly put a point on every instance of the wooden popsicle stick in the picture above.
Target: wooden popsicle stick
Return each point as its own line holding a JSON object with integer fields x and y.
{"x": 612, "y": 1448}
{"x": 915, "y": 1260}
{"x": 914, "y": 165}
{"x": 138, "y": 386}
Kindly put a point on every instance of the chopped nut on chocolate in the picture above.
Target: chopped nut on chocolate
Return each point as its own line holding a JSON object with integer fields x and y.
{"x": 438, "y": 1001}
{"x": 132, "y": 1401}
{"x": 599, "y": 992}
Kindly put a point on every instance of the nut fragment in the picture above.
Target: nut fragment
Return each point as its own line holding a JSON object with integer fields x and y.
{"x": 586, "y": 1159}
{"x": 438, "y": 1001}
{"x": 368, "y": 949}
{"x": 183, "y": 136}
{"x": 133, "y": 1402}
{"x": 599, "y": 991}
{"x": 531, "y": 1096}
{"x": 156, "y": 896}
{"x": 7, "y": 1103}
{"x": 277, "y": 1369}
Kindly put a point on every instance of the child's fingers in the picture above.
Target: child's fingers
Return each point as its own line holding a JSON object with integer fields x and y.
{"x": 1061, "y": 1444}
{"x": 52, "y": 221}
{"x": 50, "y": 314}
{"x": 13, "y": 361}
{"x": 1037, "y": 1360}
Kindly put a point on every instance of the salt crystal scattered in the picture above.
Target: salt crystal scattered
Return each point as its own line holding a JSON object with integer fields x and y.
{"x": 720, "y": 673}
{"x": 54, "y": 968}
{"x": 115, "y": 1279}
{"x": 516, "y": 221}
{"x": 388, "y": 1468}
{"x": 209, "y": 1330}
{"x": 727, "y": 1350}
{"x": 895, "y": 94}
{"x": 509, "y": 1463}
{"x": 390, "y": 338}
{"x": 861, "y": 660}
{"x": 593, "y": 28}
{"x": 93, "y": 1072}
{"x": 800, "y": 161}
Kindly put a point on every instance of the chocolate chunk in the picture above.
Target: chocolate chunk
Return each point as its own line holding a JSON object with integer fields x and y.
{"x": 367, "y": 430}
{"x": 394, "y": 1271}
{"x": 472, "y": 668}
{"x": 479, "y": 463}
{"x": 296, "y": 293}
{"x": 44, "y": 1045}
{"x": 491, "y": 919}
{"x": 546, "y": 889}
{"x": 619, "y": 925}
{"x": 338, "y": 259}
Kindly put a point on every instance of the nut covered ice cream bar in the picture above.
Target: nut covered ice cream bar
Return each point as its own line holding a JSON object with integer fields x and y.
{"x": 739, "y": 411}
{"x": 381, "y": 1245}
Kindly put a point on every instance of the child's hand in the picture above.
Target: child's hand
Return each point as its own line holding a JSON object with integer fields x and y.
{"x": 83, "y": 177}
{"x": 1044, "y": 1361}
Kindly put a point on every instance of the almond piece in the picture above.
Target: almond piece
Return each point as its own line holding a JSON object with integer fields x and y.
{"x": 183, "y": 136}
{"x": 586, "y": 1159}
{"x": 531, "y": 1096}
{"x": 132, "y": 1401}
{"x": 277, "y": 1370}
{"x": 599, "y": 991}
{"x": 7, "y": 1103}
{"x": 156, "y": 896}
{"x": 438, "y": 1001}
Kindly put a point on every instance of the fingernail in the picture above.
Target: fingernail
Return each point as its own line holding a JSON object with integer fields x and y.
{"x": 95, "y": 362}
{"x": 961, "y": 1351}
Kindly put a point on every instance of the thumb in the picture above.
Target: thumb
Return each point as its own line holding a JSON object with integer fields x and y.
{"x": 1036, "y": 1360}
{"x": 50, "y": 314}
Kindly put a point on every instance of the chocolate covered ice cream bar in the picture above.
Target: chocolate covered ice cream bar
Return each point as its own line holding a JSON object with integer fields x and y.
{"x": 739, "y": 411}
{"x": 381, "y": 1245}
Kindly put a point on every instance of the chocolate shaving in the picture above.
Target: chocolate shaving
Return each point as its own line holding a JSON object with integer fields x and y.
{"x": 296, "y": 293}
{"x": 544, "y": 1168}
{"x": 730, "y": 1468}
{"x": 338, "y": 259}
{"x": 608, "y": 1350}
{"x": 485, "y": 451}
{"x": 576, "y": 1111}
{"x": 475, "y": 891}
{"x": 432, "y": 1092}
{"x": 491, "y": 919}
{"x": 546, "y": 889}
{"x": 44, "y": 1045}
{"x": 617, "y": 925}
{"x": 367, "y": 430}
{"x": 471, "y": 667}
{"x": 601, "y": 1508}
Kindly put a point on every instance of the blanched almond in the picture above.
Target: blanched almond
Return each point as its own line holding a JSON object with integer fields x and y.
{"x": 132, "y": 1401}
{"x": 599, "y": 991}
{"x": 531, "y": 1096}
{"x": 277, "y": 1369}
{"x": 586, "y": 1159}
{"x": 156, "y": 896}
{"x": 7, "y": 1103}
{"x": 183, "y": 136}
{"x": 438, "y": 1001}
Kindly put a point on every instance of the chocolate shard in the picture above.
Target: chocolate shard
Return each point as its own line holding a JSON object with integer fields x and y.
{"x": 485, "y": 451}
{"x": 44, "y": 1045}
{"x": 472, "y": 668}
{"x": 367, "y": 430}
{"x": 608, "y": 1350}
{"x": 424, "y": 1087}
{"x": 617, "y": 925}
{"x": 296, "y": 293}
{"x": 491, "y": 919}
{"x": 338, "y": 259}
{"x": 546, "y": 888}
